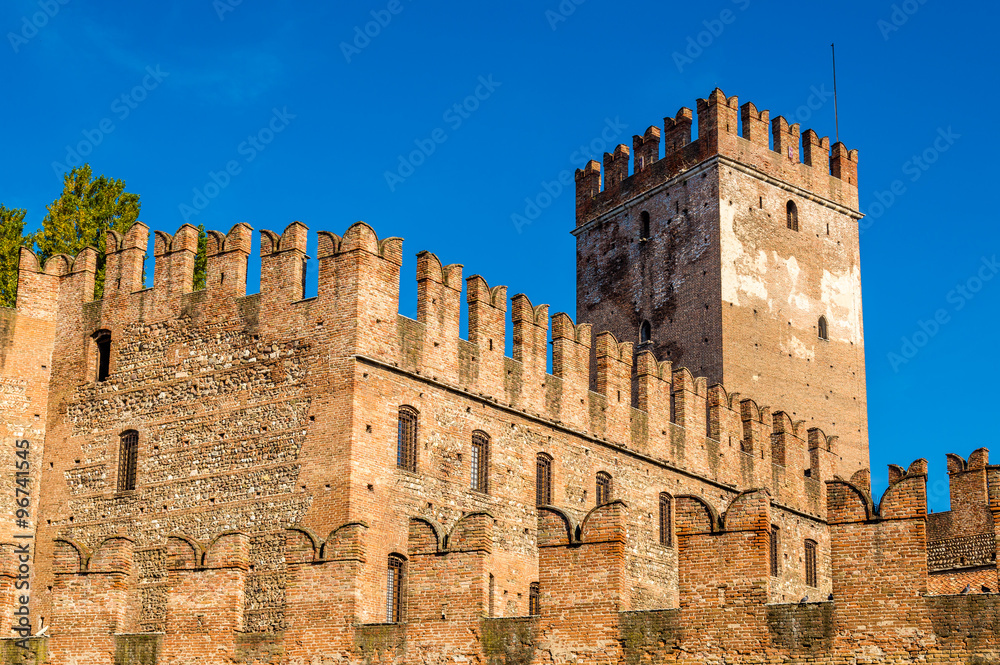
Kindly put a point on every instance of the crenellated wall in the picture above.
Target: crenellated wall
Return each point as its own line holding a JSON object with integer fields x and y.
{"x": 268, "y": 489}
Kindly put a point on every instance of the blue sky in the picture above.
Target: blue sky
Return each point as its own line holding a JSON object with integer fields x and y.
{"x": 309, "y": 118}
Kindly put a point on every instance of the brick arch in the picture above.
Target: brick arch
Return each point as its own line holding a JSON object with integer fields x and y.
{"x": 692, "y": 514}
{"x": 847, "y": 502}
{"x": 70, "y": 556}
{"x": 311, "y": 549}
{"x": 109, "y": 556}
{"x": 341, "y": 543}
{"x": 749, "y": 510}
{"x": 219, "y": 553}
{"x": 555, "y": 526}
{"x": 458, "y": 535}
{"x": 425, "y": 536}
{"x": 596, "y": 515}
{"x": 183, "y": 551}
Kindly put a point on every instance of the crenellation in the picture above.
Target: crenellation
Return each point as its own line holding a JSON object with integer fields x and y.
{"x": 173, "y": 273}
{"x": 615, "y": 167}
{"x": 844, "y": 164}
{"x": 677, "y": 130}
{"x": 487, "y": 330}
{"x": 755, "y": 124}
{"x": 283, "y": 267}
{"x": 816, "y": 151}
{"x": 571, "y": 363}
{"x": 613, "y": 379}
{"x": 439, "y": 305}
{"x": 646, "y": 148}
{"x": 125, "y": 256}
{"x": 786, "y": 138}
{"x": 226, "y": 260}
{"x": 531, "y": 327}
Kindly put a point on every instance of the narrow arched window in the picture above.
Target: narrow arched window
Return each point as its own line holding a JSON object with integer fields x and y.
{"x": 603, "y": 488}
{"x": 102, "y": 339}
{"x": 543, "y": 480}
{"x": 127, "y": 460}
{"x": 533, "y": 601}
{"x": 666, "y": 520}
{"x": 811, "y": 563}
{"x": 645, "y": 332}
{"x": 644, "y": 225}
{"x": 775, "y": 542}
{"x": 394, "y": 590}
{"x": 824, "y": 333}
{"x": 406, "y": 441}
{"x": 480, "y": 462}
{"x": 792, "y": 214}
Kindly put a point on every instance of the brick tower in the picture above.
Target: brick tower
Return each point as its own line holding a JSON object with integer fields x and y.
{"x": 735, "y": 259}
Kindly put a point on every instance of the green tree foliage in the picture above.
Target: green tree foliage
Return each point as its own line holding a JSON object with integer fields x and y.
{"x": 200, "y": 258}
{"x": 11, "y": 240}
{"x": 87, "y": 208}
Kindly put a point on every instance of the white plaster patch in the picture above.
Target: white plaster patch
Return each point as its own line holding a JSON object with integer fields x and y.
{"x": 797, "y": 349}
{"x": 841, "y": 296}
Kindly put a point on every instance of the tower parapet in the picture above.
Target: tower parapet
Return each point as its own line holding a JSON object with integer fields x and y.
{"x": 728, "y": 131}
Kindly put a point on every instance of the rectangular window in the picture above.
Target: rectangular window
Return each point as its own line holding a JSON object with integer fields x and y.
{"x": 406, "y": 439}
{"x": 666, "y": 521}
{"x": 533, "y": 602}
{"x": 543, "y": 480}
{"x": 127, "y": 460}
{"x": 480, "y": 462}
{"x": 810, "y": 563}
{"x": 394, "y": 593}
{"x": 774, "y": 551}
{"x": 603, "y": 488}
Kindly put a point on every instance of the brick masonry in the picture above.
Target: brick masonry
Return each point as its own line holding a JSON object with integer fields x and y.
{"x": 269, "y": 499}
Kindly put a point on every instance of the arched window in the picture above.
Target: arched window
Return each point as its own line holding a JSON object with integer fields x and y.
{"x": 127, "y": 458}
{"x": 603, "y": 488}
{"x": 822, "y": 328}
{"x": 644, "y": 225}
{"x": 102, "y": 338}
{"x": 792, "y": 214}
{"x": 394, "y": 590}
{"x": 480, "y": 461}
{"x": 543, "y": 480}
{"x": 666, "y": 520}
{"x": 811, "y": 563}
{"x": 406, "y": 441}
{"x": 774, "y": 551}
{"x": 645, "y": 332}
{"x": 533, "y": 601}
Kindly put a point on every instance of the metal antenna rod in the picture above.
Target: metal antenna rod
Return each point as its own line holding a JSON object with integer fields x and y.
{"x": 836, "y": 116}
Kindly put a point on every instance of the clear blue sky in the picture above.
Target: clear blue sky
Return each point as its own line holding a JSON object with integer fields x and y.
{"x": 165, "y": 94}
